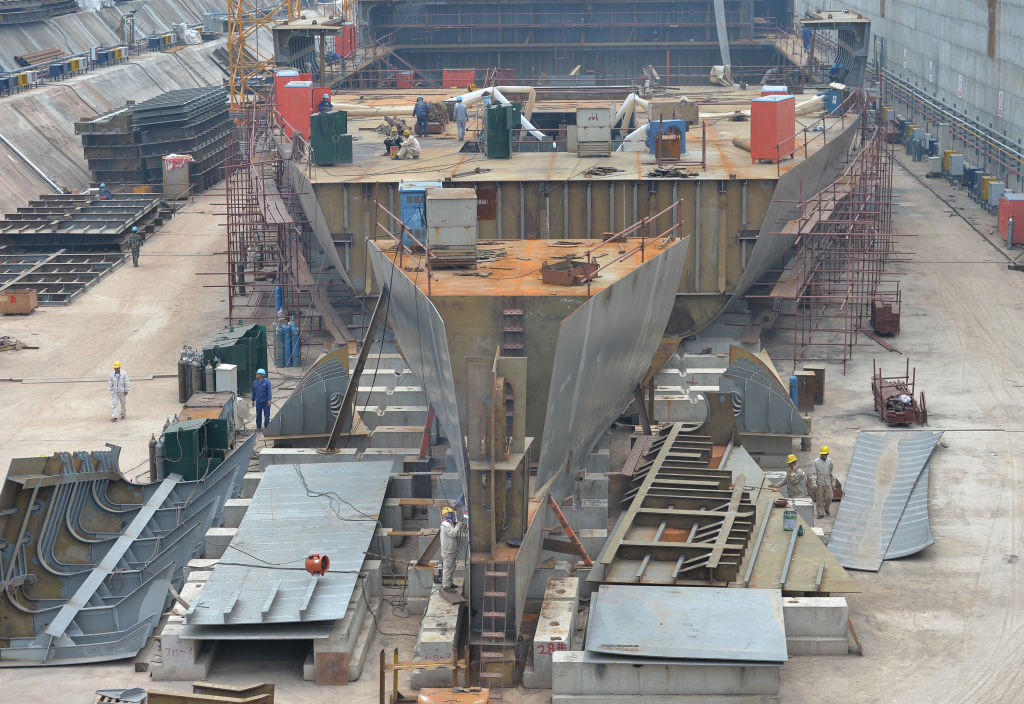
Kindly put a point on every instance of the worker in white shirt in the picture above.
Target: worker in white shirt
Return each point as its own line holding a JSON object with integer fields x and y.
{"x": 451, "y": 531}
{"x": 119, "y": 385}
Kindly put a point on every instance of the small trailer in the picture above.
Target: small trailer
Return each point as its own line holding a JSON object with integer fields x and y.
{"x": 894, "y": 398}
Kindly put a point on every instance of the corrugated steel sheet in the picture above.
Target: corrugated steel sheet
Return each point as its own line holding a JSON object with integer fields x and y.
{"x": 298, "y": 509}
{"x": 604, "y": 349}
{"x": 887, "y": 485}
{"x": 700, "y": 623}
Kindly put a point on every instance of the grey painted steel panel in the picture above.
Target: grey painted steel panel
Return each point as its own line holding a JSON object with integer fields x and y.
{"x": 884, "y": 482}
{"x": 701, "y": 623}
{"x": 760, "y": 403}
{"x": 109, "y": 608}
{"x": 604, "y": 349}
{"x": 261, "y": 578}
{"x": 913, "y": 532}
{"x": 312, "y": 630}
{"x": 308, "y": 411}
{"x": 421, "y": 335}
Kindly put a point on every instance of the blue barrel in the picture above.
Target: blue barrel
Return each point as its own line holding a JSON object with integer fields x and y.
{"x": 794, "y": 389}
{"x": 278, "y": 300}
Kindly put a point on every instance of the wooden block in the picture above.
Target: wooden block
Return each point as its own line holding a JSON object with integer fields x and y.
{"x": 819, "y": 381}
{"x": 331, "y": 668}
{"x": 805, "y": 390}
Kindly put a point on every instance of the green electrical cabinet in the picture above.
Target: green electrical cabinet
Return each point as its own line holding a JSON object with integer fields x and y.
{"x": 328, "y": 140}
{"x": 501, "y": 121}
{"x": 194, "y": 448}
{"x": 244, "y": 345}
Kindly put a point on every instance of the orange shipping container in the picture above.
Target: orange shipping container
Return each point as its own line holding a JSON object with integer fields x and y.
{"x": 772, "y": 127}
{"x": 294, "y": 105}
{"x": 1011, "y": 205}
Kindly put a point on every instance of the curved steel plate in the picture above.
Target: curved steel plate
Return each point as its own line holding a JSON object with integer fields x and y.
{"x": 604, "y": 349}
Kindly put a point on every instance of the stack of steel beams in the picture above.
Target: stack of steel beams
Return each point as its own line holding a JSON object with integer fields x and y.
{"x": 58, "y": 278}
{"x": 80, "y": 222}
{"x": 127, "y": 146}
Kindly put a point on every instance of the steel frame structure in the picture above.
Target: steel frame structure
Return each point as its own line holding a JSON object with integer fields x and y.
{"x": 839, "y": 264}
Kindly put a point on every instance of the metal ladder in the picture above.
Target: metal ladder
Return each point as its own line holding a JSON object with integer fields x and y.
{"x": 512, "y": 332}
{"x": 492, "y": 635}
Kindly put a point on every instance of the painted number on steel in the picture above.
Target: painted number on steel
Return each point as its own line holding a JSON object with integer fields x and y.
{"x": 549, "y": 648}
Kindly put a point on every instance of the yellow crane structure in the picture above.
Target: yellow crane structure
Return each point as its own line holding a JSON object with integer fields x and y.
{"x": 245, "y": 19}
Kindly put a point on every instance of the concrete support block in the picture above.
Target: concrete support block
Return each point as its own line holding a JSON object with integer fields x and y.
{"x": 180, "y": 658}
{"x": 438, "y": 639}
{"x": 392, "y": 436}
{"x": 391, "y": 514}
{"x": 594, "y": 486}
{"x": 805, "y": 509}
{"x": 420, "y": 582}
{"x": 394, "y": 455}
{"x": 303, "y": 455}
{"x": 234, "y": 511}
{"x": 701, "y": 376}
{"x": 816, "y": 625}
{"x": 598, "y": 462}
{"x": 596, "y": 675}
{"x": 588, "y": 513}
{"x": 680, "y": 407}
{"x": 217, "y": 541}
{"x": 333, "y": 655}
{"x": 381, "y": 396}
{"x": 593, "y": 540}
{"x": 562, "y": 589}
{"x": 668, "y": 376}
{"x": 374, "y": 417}
{"x": 555, "y": 626}
{"x": 250, "y": 480}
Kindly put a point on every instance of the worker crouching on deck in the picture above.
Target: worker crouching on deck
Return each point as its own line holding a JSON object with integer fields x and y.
{"x": 392, "y": 140}
{"x": 451, "y": 531}
{"x": 410, "y": 147}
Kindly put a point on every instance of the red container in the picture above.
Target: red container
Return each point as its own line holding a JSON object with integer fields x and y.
{"x": 404, "y": 79}
{"x": 457, "y": 77}
{"x": 345, "y": 41}
{"x": 772, "y": 128}
{"x": 1012, "y": 206}
{"x": 295, "y": 106}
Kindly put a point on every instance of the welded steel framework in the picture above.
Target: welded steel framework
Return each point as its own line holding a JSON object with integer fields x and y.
{"x": 840, "y": 263}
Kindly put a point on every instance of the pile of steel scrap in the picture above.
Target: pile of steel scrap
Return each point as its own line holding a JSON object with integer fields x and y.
{"x": 86, "y": 556}
{"x": 884, "y": 514}
{"x": 894, "y": 398}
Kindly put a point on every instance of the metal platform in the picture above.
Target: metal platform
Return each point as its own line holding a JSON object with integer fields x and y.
{"x": 329, "y": 508}
{"x": 58, "y": 278}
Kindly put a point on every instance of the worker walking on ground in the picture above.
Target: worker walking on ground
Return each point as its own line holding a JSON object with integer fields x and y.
{"x": 119, "y": 385}
{"x": 421, "y": 111}
{"x": 325, "y": 105}
{"x": 823, "y": 481}
{"x": 262, "y": 394}
{"x": 451, "y": 531}
{"x": 798, "y": 484}
{"x": 394, "y": 139}
{"x": 410, "y": 147}
{"x": 103, "y": 192}
{"x": 461, "y": 117}
{"x": 135, "y": 242}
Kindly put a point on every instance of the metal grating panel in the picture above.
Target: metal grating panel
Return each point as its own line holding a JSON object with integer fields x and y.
{"x": 885, "y": 473}
{"x": 295, "y": 512}
{"x": 609, "y": 340}
{"x": 702, "y": 623}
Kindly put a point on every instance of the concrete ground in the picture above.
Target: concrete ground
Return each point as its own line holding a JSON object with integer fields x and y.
{"x": 946, "y": 624}
{"x": 939, "y": 626}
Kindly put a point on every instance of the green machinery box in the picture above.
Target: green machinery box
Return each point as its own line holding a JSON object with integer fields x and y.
{"x": 328, "y": 140}
{"x": 244, "y": 345}
{"x": 194, "y": 448}
{"x": 501, "y": 121}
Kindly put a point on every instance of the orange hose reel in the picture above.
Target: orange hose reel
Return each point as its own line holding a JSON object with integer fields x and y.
{"x": 318, "y": 564}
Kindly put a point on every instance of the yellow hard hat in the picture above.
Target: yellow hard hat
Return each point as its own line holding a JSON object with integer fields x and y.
{"x": 791, "y": 459}
{"x": 394, "y": 129}
{"x": 445, "y": 510}
{"x": 823, "y": 450}
{"x": 407, "y": 133}
{"x": 117, "y": 365}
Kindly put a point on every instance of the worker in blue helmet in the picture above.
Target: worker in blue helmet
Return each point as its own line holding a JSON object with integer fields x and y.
{"x": 421, "y": 111}
{"x": 261, "y": 397}
{"x": 461, "y": 117}
{"x": 325, "y": 105}
{"x": 135, "y": 242}
{"x": 103, "y": 191}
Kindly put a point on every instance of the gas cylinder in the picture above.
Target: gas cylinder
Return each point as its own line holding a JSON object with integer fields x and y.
{"x": 208, "y": 378}
{"x": 287, "y": 344}
{"x": 197, "y": 376}
{"x": 296, "y": 349}
{"x": 278, "y": 299}
{"x": 278, "y": 343}
{"x": 183, "y": 372}
{"x": 161, "y": 464}
{"x": 152, "y": 458}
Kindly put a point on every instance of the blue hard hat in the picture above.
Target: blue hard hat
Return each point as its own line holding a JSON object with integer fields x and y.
{"x": 103, "y": 185}
{"x": 261, "y": 371}
{"x": 135, "y": 229}
{"x": 459, "y": 99}
{"x": 420, "y": 98}
{"x": 327, "y": 95}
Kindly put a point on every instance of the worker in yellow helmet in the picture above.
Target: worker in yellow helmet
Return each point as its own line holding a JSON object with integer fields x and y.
{"x": 119, "y": 386}
{"x": 410, "y": 147}
{"x": 823, "y": 480}
{"x": 451, "y": 531}
{"x": 798, "y": 484}
{"x": 392, "y": 140}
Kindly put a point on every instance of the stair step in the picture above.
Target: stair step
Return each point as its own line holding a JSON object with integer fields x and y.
{"x": 496, "y": 594}
{"x": 495, "y": 574}
{"x": 493, "y": 635}
{"x": 494, "y": 614}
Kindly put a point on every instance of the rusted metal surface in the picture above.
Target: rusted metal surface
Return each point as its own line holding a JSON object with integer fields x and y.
{"x": 885, "y": 316}
{"x": 894, "y": 398}
{"x": 567, "y": 271}
{"x": 604, "y": 349}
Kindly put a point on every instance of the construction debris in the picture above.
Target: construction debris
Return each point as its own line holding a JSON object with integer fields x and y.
{"x": 601, "y": 171}
{"x": 671, "y": 172}
{"x": 9, "y": 343}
